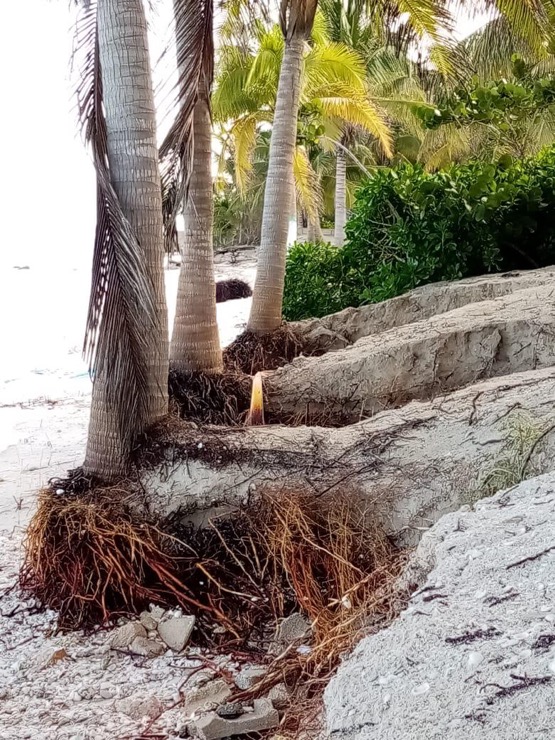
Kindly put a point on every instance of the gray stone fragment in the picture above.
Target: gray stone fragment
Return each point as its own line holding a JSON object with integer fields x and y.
{"x": 157, "y": 612}
{"x": 147, "y": 648}
{"x": 124, "y": 636}
{"x": 293, "y": 628}
{"x": 206, "y": 697}
{"x": 138, "y": 707}
{"x": 212, "y": 727}
{"x": 279, "y": 696}
{"x": 249, "y": 676}
{"x": 176, "y": 632}
{"x": 230, "y": 710}
{"x": 148, "y": 621}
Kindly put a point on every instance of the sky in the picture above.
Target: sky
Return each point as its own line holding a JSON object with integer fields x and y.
{"x": 48, "y": 198}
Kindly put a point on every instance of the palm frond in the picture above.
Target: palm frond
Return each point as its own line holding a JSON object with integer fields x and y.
{"x": 306, "y": 183}
{"x": 195, "y": 63}
{"x": 122, "y": 312}
{"x": 243, "y": 134}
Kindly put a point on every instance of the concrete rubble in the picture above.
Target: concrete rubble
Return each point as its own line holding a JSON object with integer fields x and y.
{"x": 211, "y": 726}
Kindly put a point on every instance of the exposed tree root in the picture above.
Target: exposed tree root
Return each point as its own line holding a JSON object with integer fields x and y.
{"x": 251, "y": 353}
{"x": 222, "y": 399}
{"x": 228, "y": 290}
{"x": 288, "y": 550}
{"x": 87, "y": 557}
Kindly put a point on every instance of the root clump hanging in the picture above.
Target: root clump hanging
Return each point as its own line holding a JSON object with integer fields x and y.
{"x": 251, "y": 353}
{"x": 93, "y": 558}
{"x": 219, "y": 399}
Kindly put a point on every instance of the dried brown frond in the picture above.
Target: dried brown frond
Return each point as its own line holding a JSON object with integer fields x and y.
{"x": 252, "y": 353}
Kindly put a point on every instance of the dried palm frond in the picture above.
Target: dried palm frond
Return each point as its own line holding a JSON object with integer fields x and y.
{"x": 195, "y": 63}
{"x": 122, "y": 312}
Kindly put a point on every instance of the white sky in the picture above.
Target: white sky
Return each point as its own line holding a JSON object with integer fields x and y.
{"x": 48, "y": 197}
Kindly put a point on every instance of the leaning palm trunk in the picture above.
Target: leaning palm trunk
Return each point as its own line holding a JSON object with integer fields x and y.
{"x": 195, "y": 342}
{"x": 265, "y": 313}
{"x": 134, "y": 180}
{"x": 340, "y": 197}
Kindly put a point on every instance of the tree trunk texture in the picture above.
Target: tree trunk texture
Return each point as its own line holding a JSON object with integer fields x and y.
{"x": 195, "y": 345}
{"x": 340, "y": 197}
{"x": 133, "y": 161}
{"x": 315, "y": 233}
{"x": 265, "y": 313}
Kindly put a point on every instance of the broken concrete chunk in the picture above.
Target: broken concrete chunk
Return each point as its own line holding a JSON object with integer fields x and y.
{"x": 148, "y": 621}
{"x": 293, "y": 628}
{"x": 124, "y": 636}
{"x": 249, "y": 676}
{"x": 279, "y": 696}
{"x": 208, "y": 696}
{"x": 213, "y": 727}
{"x": 147, "y": 648}
{"x": 157, "y": 612}
{"x": 176, "y": 632}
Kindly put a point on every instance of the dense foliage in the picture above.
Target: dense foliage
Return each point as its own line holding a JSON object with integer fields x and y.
{"x": 409, "y": 227}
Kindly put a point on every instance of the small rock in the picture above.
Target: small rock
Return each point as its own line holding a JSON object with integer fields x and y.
{"x": 249, "y": 676}
{"x": 201, "y": 698}
{"x": 176, "y": 632}
{"x": 474, "y": 659}
{"x": 148, "y": 621}
{"x": 230, "y": 710}
{"x": 125, "y": 635}
{"x": 147, "y": 648}
{"x": 212, "y": 727}
{"x": 279, "y": 696}
{"x": 107, "y": 691}
{"x": 137, "y": 707}
{"x": 423, "y": 688}
{"x": 157, "y": 612}
{"x": 293, "y": 628}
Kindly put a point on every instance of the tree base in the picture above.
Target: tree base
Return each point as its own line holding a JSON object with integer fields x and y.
{"x": 221, "y": 398}
{"x": 251, "y": 353}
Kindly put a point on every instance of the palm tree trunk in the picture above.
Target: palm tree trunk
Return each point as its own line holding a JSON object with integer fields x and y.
{"x": 340, "y": 197}
{"x": 315, "y": 233}
{"x": 133, "y": 162}
{"x": 265, "y": 313}
{"x": 195, "y": 342}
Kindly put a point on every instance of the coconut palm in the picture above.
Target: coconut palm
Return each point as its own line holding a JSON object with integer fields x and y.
{"x": 195, "y": 345}
{"x": 297, "y": 19}
{"x": 333, "y": 94}
{"x": 126, "y": 338}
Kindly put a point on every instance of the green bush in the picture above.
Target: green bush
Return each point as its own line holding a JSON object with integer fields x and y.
{"x": 409, "y": 227}
{"x": 314, "y": 280}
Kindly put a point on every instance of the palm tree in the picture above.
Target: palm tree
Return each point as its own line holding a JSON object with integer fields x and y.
{"x": 126, "y": 339}
{"x": 195, "y": 345}
{"x": 296, "y": 20}
{"x": 333, "y": 94}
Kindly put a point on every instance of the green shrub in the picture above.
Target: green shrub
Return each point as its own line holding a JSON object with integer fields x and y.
{"x": 409, "y": 227}
{"x": 314, "y": 281}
